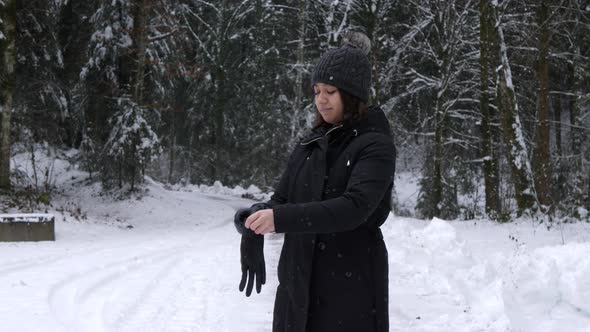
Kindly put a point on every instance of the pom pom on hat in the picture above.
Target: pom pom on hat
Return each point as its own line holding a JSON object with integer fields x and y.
{"x": 357, "y": 40}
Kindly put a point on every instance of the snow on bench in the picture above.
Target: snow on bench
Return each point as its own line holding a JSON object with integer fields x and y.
{"x": 27, "y": 227}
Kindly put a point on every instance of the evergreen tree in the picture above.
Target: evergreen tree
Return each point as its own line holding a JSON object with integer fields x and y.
{"x": 41, "y": 108}
{"x": 132, "y": 144}
{"x": 495, "y": 96}
{"x": 441, "y": 79}
{"x": 103, "y": 78}
{"x": 7, "y": 78}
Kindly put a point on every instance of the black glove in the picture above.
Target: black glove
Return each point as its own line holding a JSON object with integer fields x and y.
{"x": 239, "y": 220}
{"x": 251, "y": 251}
{"x": 252, "y": 259}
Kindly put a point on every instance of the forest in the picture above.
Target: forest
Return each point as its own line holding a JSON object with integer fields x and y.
{"x": 489, "y": 100}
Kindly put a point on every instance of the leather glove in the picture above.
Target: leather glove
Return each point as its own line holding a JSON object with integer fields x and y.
{"x": 252, "y": 260}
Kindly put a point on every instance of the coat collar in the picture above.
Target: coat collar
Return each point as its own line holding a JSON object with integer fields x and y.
{"x": 320, "y": 133}
{"x": 375, "y": 121}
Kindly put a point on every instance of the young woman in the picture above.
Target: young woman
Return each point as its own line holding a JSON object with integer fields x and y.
{"x": 329, "y": 203}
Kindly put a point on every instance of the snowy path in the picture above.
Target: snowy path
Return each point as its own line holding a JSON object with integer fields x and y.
{"x": 177, "y": 269}
{"x": 162, "y": 275}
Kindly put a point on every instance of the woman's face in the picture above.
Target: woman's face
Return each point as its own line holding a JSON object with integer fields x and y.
{"x": 328, "y": 102}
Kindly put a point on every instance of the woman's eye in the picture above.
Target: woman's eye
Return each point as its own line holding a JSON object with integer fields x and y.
{"x": 329, "y": 92}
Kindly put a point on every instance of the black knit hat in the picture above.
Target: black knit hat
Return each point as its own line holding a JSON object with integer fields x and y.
{"x": 347, "y": 67}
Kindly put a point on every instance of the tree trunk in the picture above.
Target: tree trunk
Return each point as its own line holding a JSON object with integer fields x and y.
{"x": 437, "y": 181}
{"x": 557, "y": 120}
{"x": 542, "y": 155}
{"x": 299, "y": 93}
{"x": 512, "y": 128}
{"x": 219, "y": 119}
{"x": 561, "y": 166}
{"x": 189, "y": 160}
{"x": 172, "y": 145}
{"x": 490, "y": 166}
{"x": 34, "y": 167}
{"x": 220, "y": 95}
{"x": 371, "y": 26}
{"x": 133, "y": 175}
{"x": 575, "y": 139}
{"x": 139, "y": 36}
{"x": 576, "y": 160}
{"x": 8, "y": 62}
{"x": 5, "y": 115}
{"x": 120, "y": 174}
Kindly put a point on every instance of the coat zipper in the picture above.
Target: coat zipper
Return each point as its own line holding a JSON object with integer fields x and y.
{"x": 317, "y": 138}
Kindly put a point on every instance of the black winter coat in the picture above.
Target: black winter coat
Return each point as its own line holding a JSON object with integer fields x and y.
{"x": 330, "y": 202}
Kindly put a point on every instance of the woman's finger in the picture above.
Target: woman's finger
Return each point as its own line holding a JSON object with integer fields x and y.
{"x": 263, "y": 228}
{"x": 251, "y": 219}
{"x": 257, "y": 225}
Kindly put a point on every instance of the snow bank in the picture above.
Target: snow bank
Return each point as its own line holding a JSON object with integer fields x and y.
{"x": 252, "y": 192}
{"x": 548, "y": 289}
{"x": 431, "y": 268}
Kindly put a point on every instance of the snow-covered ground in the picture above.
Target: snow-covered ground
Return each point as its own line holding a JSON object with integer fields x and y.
{"x": 170, "y": 262}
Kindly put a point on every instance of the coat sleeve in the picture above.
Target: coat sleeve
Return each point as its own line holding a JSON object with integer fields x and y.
{"x": 371, "y": 175}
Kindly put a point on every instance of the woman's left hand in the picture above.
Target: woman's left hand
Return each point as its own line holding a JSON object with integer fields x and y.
{"x": 261, "y": 222}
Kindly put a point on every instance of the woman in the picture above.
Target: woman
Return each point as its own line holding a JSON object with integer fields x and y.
{"x": 329, "y": 203}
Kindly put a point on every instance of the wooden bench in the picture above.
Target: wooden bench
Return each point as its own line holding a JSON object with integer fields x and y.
{"x": 27, "y": 227}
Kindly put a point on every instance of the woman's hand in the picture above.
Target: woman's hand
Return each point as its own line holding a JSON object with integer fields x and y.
{"x": 261, "y": 222}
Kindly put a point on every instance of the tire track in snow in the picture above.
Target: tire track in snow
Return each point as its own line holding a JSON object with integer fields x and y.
{"x": 61, "y": 253}
{"x": 199, "y": 295}
{"x": 79, "y": 302}
{"x": 24, "y": 264}
{"x": 173, "y": 295}
{"x": 179, "y": 306}
{"x": 37, "y": 262}
{"x": 73, "y": 301}
{"x": 150, "y": 290}
{"x": 146, "y": 297}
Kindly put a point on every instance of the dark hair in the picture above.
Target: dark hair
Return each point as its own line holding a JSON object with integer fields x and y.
{"x": 354, "y": 110}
